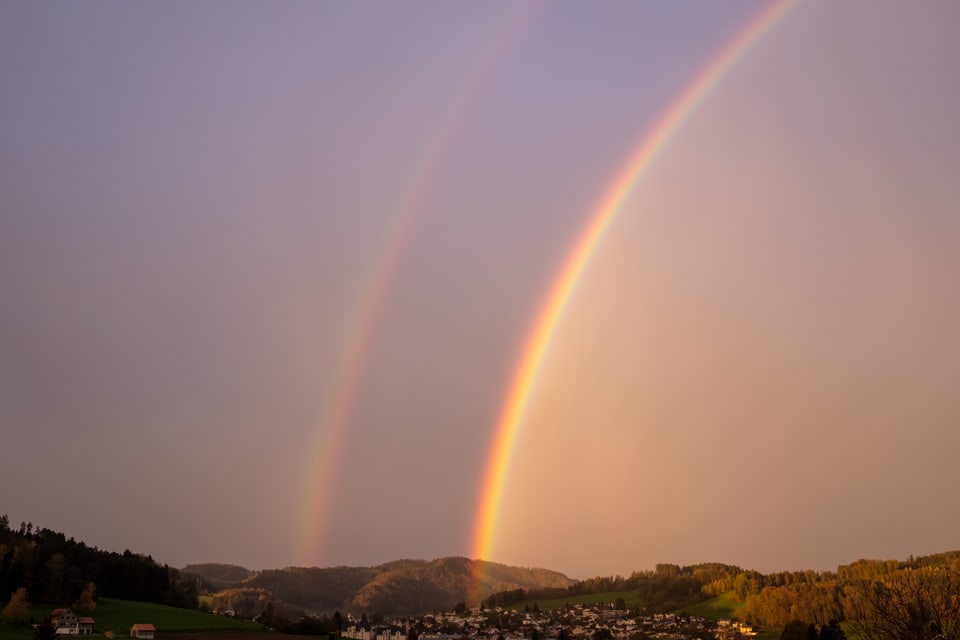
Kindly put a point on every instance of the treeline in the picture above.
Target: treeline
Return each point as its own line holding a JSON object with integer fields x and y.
{"x": 55, "y": 569}
{"x": 667, "y": 588}
{"x": 918, "y": 598}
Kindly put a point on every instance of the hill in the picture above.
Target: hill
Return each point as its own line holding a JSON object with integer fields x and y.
{"x": 414, "y": 587}
{"x": 216, "y": 576}
{"x": 402, "y": 587}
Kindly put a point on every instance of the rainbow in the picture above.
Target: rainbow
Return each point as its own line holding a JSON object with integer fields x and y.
{"x": 578, "y": 258}
{"x": 375, "y": 287}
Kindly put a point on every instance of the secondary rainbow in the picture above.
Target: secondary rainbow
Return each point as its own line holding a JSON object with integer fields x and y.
{"x": 565, "y": 283}
{"x": 373, "y": 293}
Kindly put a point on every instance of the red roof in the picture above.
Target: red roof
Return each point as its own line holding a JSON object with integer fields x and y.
{"x": 143, "y": 627}
{"x": 87, "y": 620}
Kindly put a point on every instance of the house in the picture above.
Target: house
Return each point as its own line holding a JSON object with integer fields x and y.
{"x": 143, "y": 631}
{"x": 66, "y": 623}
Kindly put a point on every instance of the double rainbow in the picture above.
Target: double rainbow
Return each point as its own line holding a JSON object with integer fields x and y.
{"x": 600, "y": 219}
{"x": 373, "y": 293}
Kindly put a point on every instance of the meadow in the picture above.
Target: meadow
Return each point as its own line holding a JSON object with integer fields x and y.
{"x": 723, "y": 606}
{"x": 118, "y": 616}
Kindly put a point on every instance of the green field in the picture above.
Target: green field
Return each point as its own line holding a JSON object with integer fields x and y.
{"x": 119, "y": 615}
{"x": 723, "y": 606}
{"x": 726, "y": 606}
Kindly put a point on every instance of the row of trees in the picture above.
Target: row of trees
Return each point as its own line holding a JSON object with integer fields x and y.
{"x": 667, "y": 588}
{"x": 918, "y": 599}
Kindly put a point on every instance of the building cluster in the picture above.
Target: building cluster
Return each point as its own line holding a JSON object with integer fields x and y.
{"x": 575, "y": 622}
{"x": 68, "y": 623}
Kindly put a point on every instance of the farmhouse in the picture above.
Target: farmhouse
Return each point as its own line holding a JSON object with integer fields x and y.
{"x": 66, "y": 623}
{"x": 142, "y": 631}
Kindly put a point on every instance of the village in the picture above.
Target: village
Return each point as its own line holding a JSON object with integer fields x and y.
{"x": 573, "y": 622}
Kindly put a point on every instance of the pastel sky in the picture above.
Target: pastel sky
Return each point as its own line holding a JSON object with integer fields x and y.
{"x": 267, "y": 271}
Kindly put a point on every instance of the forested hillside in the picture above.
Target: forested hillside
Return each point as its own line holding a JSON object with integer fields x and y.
{"x": 914, "y": 598}
{"x": 57, "y": 570}
{"x": 667, "y": 588}
{"x": 395, "y": 588}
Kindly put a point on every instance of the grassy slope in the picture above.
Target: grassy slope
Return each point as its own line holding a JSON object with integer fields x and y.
{"x": 120, "y": 615}
{"x": 723, "y": 606}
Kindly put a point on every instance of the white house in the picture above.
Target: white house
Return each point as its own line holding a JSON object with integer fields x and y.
{"x": 66, "y": 623}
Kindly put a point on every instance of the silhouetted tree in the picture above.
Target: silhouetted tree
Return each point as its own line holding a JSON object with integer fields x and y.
{"x": 337, "y": 623}
{"x": 832, "y": 631}
{"x": 909, "y": 604}
{"x": 602, "y": 634}
{"x": 45, "y": 630}
{"x": 798, "y": 630}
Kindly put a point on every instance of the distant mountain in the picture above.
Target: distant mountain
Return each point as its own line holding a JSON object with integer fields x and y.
{"x": 403, "y": 587}
{"x": 216, "y": 576}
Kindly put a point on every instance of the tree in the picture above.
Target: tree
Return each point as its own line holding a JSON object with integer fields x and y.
{"x": 17, "y": 610}
{"x": 798, "y": 630}
{"x": 56, "y": 569}
{"x": 909, "y": 604}
{"x": 602, "y": 633}
{"x": 88, "y": 599}
{"x": 45, "y": 630}
{"x": 832, "y": 631}
{"x": 271, "y": 618}
{"x": 337, "y": 622}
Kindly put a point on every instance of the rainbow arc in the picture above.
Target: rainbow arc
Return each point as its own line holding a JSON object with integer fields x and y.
{"x": 565, "y": 283}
